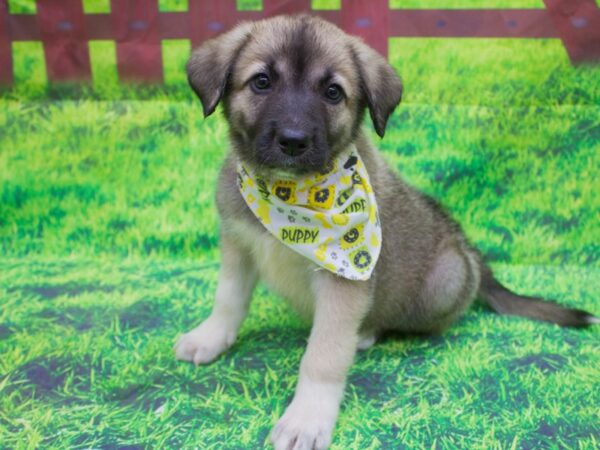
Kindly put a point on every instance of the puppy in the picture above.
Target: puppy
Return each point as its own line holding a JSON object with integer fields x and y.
{"x": 360, "y": 256}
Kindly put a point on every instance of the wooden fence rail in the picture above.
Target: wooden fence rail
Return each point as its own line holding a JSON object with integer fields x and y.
{"x": 137, "y": 27}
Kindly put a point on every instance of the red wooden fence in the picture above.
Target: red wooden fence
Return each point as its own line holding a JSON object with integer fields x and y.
{"x": 138, "y": 27}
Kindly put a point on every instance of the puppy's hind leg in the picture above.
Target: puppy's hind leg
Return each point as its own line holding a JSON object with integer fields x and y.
{"x": 216, "y": 334}
{"x": 450, "y": 287}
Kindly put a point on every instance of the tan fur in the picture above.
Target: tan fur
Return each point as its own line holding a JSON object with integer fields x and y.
{"x": 426, "y": 276}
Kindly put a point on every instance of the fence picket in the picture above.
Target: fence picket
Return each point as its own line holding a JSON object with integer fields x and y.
{"x": 211, "y": 17}
{"x": 6, "y": 64}
{"x": 274, "y": 7}
{"x": 139, "y": 56}
{"x": 368, "y": 19}
{"x": 578, "y": 25}
{"x": 63, "y": 33}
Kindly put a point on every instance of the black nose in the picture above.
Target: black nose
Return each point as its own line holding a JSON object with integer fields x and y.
{"x": 292, "y": 142}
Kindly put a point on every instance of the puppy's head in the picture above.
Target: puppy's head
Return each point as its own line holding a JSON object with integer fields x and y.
{"x": 294, "y": 90}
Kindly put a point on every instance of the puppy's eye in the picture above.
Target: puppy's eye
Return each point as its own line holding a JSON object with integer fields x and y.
{"x": 334, "y": 93}
{"x": 261, "y": 82}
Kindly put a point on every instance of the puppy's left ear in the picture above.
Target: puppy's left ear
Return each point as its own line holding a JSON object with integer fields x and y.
{"x": 380, "y": 84}
{"x": 210, "y": 65}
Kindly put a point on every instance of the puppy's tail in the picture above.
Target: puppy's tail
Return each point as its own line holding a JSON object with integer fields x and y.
{"x": 503, "y": 301}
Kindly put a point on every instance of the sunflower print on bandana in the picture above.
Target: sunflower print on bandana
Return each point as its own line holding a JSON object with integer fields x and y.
{"x": 330, "y": 218}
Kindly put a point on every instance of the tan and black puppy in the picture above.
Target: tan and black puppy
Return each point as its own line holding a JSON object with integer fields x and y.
{"x": 294, "y": 91}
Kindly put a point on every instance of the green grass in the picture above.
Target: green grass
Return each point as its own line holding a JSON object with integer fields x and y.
{"x": 108, "y": 244}
{"x": 173, "y": 5}
{"x": 249, "y": 5}
{"x": 131, "y": 171}
{"x": 86, "y": 347}
{"x": 505, "y": 133}
{"x": 326, "y": 4}
{"x": 96, "y": 6}
{"x": 22, "y": 6}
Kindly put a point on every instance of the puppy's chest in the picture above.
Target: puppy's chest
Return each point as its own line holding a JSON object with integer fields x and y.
{"x": 283, "y": 270}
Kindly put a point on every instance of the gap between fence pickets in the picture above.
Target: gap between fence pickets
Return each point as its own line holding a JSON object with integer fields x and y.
{"x": 138, "y": 27}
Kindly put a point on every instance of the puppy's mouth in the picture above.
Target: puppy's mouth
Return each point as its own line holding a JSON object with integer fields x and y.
{"x": 290, "y": 153}
{"x": 286, "y": 168}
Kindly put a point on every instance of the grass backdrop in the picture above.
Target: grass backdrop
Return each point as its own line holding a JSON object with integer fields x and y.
{"x": 108, "y": 237}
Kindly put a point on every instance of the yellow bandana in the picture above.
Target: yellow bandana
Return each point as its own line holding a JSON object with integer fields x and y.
{"x": 329, "y": 218}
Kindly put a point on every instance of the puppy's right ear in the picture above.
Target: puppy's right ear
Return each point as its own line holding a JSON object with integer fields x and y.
{"x": 210, "y": 65}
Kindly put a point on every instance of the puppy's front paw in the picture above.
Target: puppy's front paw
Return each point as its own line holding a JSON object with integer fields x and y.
{"x": 204, "y": 343}
{"x": 307, "y": 424}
